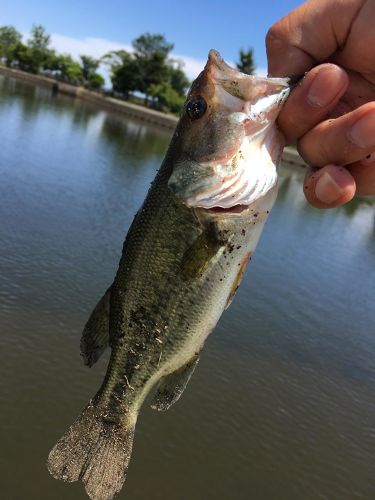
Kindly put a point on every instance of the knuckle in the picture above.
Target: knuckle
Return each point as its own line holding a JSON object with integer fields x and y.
{"x": 275, "y": 36}
{"x": 327, "y": 153}
{"x": 326, "y": 143}
{"x": 304, "y": 152}
{"x": 313, "y": 152}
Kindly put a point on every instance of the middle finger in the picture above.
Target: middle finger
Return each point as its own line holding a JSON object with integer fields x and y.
{"x": 342, "y": 140}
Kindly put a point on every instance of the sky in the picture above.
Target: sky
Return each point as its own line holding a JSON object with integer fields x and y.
{"x": 95, "y": 27}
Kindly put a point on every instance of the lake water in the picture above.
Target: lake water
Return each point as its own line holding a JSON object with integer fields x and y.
{"x": 281, "y": 406}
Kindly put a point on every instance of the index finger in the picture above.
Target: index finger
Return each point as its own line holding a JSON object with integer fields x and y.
{"x": 309, "y": 35}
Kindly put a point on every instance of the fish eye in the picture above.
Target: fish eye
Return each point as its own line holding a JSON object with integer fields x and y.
{"x": 196, "y": 107}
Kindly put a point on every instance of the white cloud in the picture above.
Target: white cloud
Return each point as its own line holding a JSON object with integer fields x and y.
{"x": 192, "y": 67}
{"x": 94, "y": 47}
{"x": 97, "y": 47}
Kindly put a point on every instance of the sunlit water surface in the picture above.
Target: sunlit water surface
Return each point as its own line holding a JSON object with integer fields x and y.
{"x": 281, "y": 405}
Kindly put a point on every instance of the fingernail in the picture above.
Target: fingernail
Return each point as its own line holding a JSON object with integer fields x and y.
{"x": 324, "y": 87}
{"x": 327, "y": 190}
{"x": 362, "y": 132}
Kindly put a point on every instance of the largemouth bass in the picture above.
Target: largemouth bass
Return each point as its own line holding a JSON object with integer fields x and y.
{"x": 182, "y": 261}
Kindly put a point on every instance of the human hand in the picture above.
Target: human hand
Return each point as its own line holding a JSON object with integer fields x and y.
{"x": 331, "y": 113}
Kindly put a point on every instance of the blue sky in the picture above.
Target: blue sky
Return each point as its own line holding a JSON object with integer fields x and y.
{"x": 94, "y": 27}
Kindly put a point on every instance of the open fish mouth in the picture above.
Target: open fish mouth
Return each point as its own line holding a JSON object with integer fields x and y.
{"x": 236, "y": 209}
{"x": 248, "y": 88}
{"x": 247, "y": 176}
{"x": 231, "y": 185}
{"x": 243, "y": 143}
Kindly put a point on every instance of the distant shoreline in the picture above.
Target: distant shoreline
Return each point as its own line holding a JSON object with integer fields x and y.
{"x": 126, "y": 108}
{"x": 290, "y": 156}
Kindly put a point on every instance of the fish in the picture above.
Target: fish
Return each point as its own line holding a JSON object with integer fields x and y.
{"x": 182, "y": 261}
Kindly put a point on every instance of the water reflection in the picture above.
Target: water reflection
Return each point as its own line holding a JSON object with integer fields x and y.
{"x": 135, "y": 140}
{"x": 83, "y": 114}
{"x": 281, "y": 405}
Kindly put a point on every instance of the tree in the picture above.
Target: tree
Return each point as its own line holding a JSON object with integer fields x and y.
{"x": 149, "y": 71}
{"x": 177, "y": 78}
{"x": 38, "y": 45}
{"x": 95, "y": 81}
{"x": 9, "y": 37}
{"x": 147, "y": 45}
{"x": 68, "y": 69}
{"x": 151, "y": 53}
{"x": 21, "y": 55}
{"x": 89, "y": 66}
{"x": 91, "y": 78}
{"x": 170, "y": 95}
{"x": 39, "y": 38}
{"x": 167, "y": 98}
{"x": 246, "y": 62}
{"x": 31, "y": 57}
{"x": 125, "y": 71}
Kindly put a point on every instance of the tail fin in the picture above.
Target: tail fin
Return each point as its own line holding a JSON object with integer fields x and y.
{"x": 95, "y": 451}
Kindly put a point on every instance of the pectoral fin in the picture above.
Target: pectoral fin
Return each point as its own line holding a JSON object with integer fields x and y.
{"x": 173, "y": 385}
{"x": 200, "y": 254}
{"x": 95, "y": 336}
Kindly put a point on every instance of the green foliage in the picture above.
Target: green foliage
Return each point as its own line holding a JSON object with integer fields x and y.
{"x": 246, "y": 62}
{"x": 22, "y": 56}
{"x": 170, "y": 94}
{"x": 166, "y": 97}
{"x": 146, "y": 70}
{"x": 91, "y": 79}
{"x": 95, "y": 81}
{"x": 68, "y": 69}
{"x": 39, "y": 37}
{"x": 177, "y": 79}
{"x": 9, "y": 37}
{"x": 37, "y": 46}
{"x": 150, "y": 53}
{"x": 32, "y": 57}
{"x": 89, "y": 66}
{"x": 50, "y": 60}
{"x": 147, "y": 45}
{"x": 125, "y": 72}
{"x": 149, "y": 71}
{"x": 139, "y": 70}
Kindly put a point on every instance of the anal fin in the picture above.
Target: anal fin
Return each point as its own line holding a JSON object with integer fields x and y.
{"x": 95, "y": 335}
{"x": 237, "y": 281}
{"x": 173, "y": 385}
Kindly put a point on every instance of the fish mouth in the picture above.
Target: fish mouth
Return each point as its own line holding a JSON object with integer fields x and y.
{"x": 253, "y": 104}
{"x": 236, "y": 209}
{"x": 244, "y": 148}
{"x": 232, "y": 186}
{"x": 248, "y": 88}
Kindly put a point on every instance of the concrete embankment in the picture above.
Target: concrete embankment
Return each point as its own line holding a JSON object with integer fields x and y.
{"x": 290, "y": 156}
{"x": 126, "y": 108}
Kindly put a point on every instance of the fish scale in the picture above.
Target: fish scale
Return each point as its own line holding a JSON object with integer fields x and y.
{"x": 182, "y": 306}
